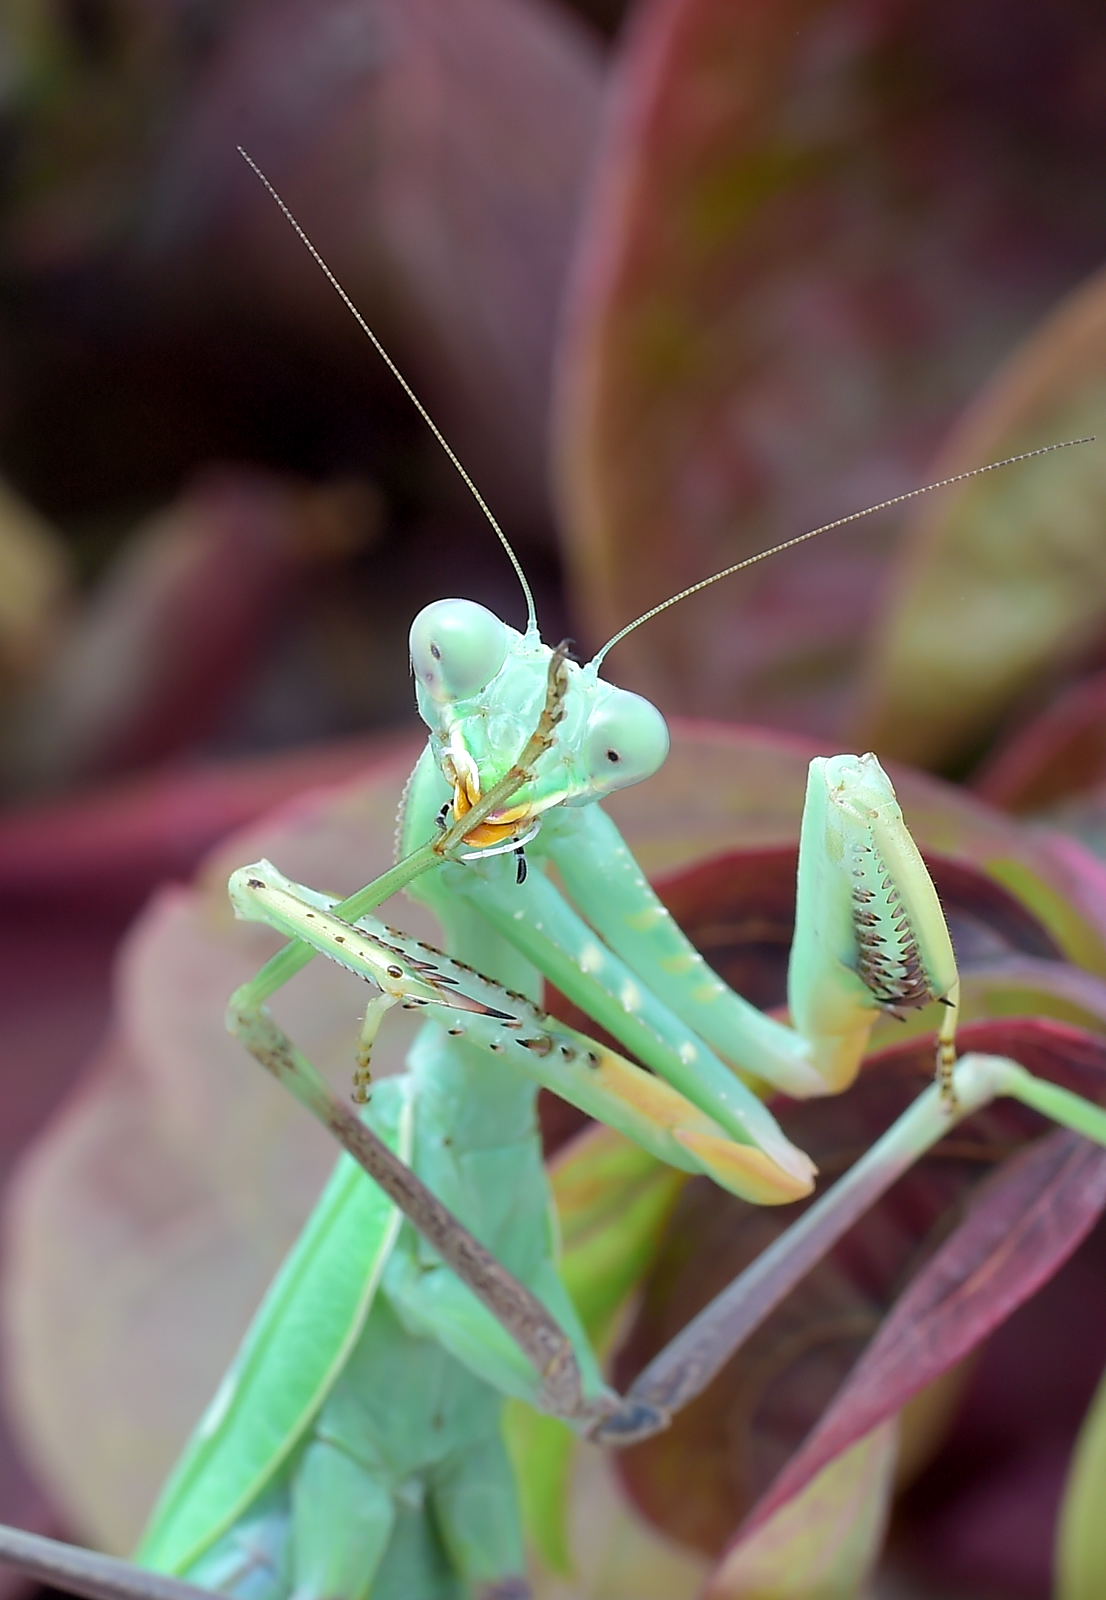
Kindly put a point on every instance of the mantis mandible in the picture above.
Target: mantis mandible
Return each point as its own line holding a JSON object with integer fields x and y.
{"x": 355, "y": 1447}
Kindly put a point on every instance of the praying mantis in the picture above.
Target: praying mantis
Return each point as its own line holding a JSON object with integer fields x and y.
{"x": 355, "y": 1447}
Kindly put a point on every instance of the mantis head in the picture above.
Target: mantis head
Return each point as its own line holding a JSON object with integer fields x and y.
{"x": 481, "y": 688}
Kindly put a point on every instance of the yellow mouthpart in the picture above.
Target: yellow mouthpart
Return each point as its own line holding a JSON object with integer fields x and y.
{"x": 505, "y": 824}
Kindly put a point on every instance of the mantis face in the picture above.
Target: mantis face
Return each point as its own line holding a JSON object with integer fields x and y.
{"x": 481, "y": 687}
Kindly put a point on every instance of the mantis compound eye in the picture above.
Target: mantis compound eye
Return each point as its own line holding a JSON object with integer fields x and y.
{"x": 626, "y": 740}
{"x": 457, "y": 647}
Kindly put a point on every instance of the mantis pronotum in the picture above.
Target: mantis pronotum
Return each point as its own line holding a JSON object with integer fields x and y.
{"x": 355, "y": 1447}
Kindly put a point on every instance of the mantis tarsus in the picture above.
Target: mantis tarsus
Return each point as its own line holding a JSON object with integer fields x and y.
{"x": 355, "y": 1448}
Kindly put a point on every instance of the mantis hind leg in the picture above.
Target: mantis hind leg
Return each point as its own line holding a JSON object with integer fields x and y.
{"x": 320, "y": 1533}
{"x": 474, "y": 1501}
{"x": 417, "y": 1562}
{"x": 343, "y": 1517}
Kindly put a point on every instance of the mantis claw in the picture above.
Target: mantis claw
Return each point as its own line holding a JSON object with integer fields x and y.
{"x": 870, "y": 934}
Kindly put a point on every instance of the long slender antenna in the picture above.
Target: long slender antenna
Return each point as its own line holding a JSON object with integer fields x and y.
{"x": 531, "y": 615}
{"x": 826, "y": 527}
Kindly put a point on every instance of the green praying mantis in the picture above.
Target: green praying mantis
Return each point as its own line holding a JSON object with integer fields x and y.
{"x": 355, "y": 1448}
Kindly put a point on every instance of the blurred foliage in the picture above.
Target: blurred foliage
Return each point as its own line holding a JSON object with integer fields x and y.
{"x": 750, "y": 268}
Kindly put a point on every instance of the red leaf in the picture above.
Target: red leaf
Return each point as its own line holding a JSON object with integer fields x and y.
{"x": 162, "y": 649}
{"x": 699, "y": 1479}
{"x": 1025, "y": 546}
{"x": 436, "y": 154}
{"x": 1021, "y": 1226}
{"x": 1058, "y": 756}
{"x": 815, "y": 229}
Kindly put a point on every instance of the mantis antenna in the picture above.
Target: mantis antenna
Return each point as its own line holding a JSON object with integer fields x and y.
{"x": 812, "y": 533}
{"x": 684, "y": 594}
{"x": 531, "y": 616}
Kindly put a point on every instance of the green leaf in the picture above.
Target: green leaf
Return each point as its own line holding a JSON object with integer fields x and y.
{"x": 824, "y": 1543}
{"x": 1081, "y": 1545}
{"x": 776, "y": 315}
{"x": 1002, "y": 583}
{"x": 613, "y": 1201}
{"x": 294, "y": 1349}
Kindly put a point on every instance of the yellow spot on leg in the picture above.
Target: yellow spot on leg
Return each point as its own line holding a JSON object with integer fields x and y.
{"x": 682, "y": 963}
{"x": 649, "y": 918}
{"x": 630, "y": 997}
{"x": 591, "y": 958}
{"x": 708, "y": 991}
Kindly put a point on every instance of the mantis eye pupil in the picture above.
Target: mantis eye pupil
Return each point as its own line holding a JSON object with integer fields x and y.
{"x": 613, "y": 757}
{"x": 435, "y": 652}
